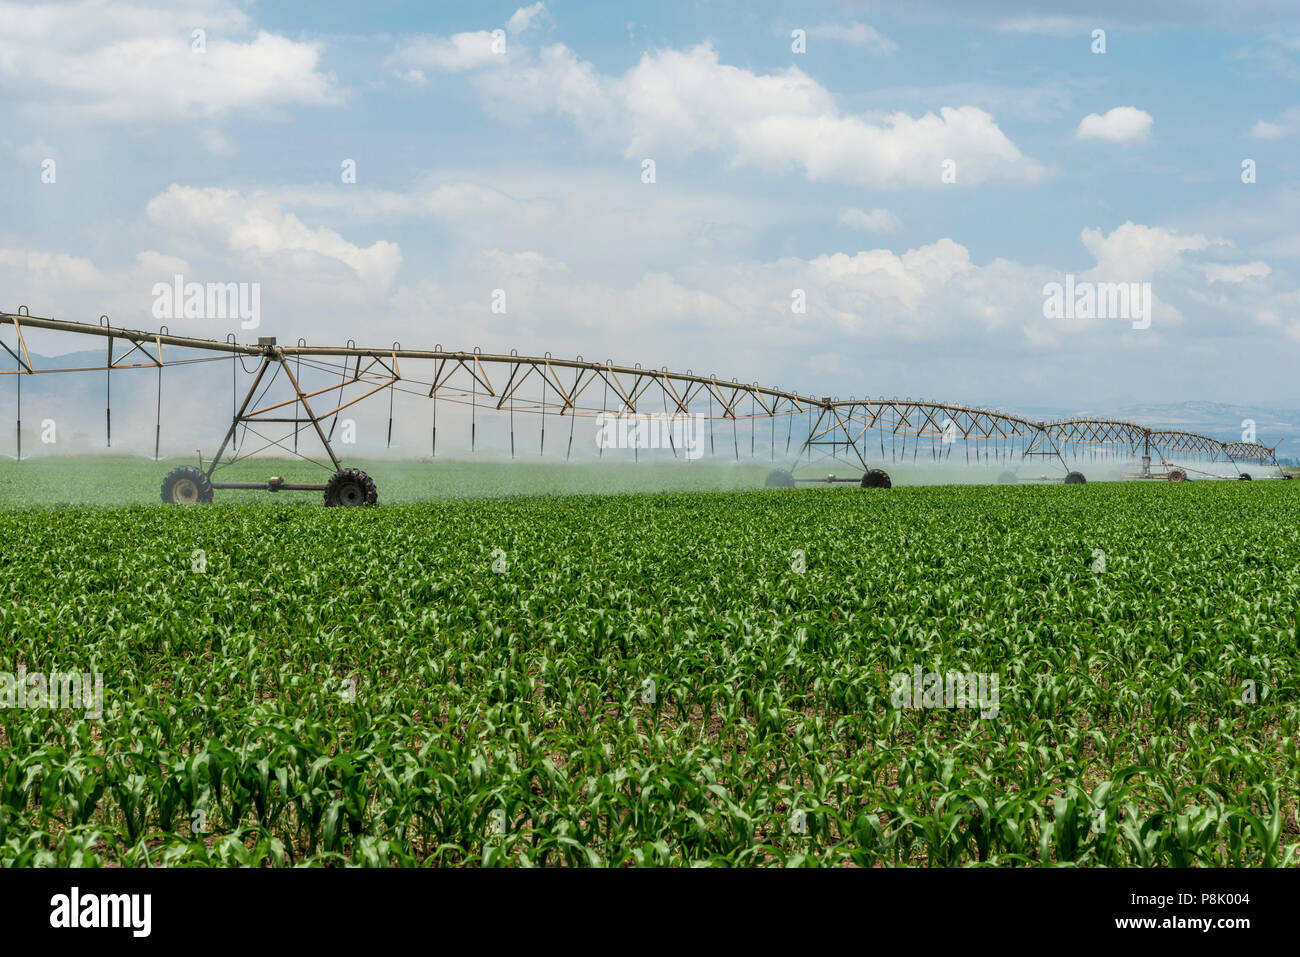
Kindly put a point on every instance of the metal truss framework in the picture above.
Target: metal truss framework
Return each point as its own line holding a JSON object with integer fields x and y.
{"x": 849, "y": 429}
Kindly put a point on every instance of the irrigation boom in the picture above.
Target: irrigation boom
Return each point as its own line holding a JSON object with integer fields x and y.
{"x": 841, "y": 429}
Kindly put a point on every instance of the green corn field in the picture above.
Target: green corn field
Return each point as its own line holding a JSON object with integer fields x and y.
{"x": 687, "y": 678}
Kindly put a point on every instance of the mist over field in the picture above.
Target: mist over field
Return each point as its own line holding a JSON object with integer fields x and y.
{"x": 118, "y": 479}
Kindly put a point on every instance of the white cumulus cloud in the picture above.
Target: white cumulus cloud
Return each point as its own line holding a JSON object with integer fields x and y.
{"x": 678, "y": 102}
{"x": 128, "y": 61}
{"x": 1133, "y": 252}
{"x": 1286, "y": 124}
{"x": 526, "y": 18}
{"x": 453, "y": 54}
{"x": 258, "y": 229}
{"x": 1119, "y": 125}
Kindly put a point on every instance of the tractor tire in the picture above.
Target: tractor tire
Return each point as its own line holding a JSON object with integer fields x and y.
{"x": 780, "y": 478}
{"x": 1008, "y": 478}
{"x": 876, "y": 478}
{"x": 1176, "y": 475}
{"x": 1075, "y": 478}
{"x": 186, "y": 485}
{"x": 349, "y": 488}
{"x": 1244, "y": 477}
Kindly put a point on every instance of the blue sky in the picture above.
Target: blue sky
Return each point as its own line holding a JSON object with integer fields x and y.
{"x": 522, "y": 170}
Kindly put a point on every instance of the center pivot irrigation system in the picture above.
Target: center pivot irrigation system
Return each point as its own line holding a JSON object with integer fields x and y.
{"x": 846, "y": 431}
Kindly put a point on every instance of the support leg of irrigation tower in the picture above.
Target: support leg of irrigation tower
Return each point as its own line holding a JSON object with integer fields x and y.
{"x": 1232, "y": 461}
{"x": 837, "y": 432}
{"x": 308, "y": 416}
{"x": 1272, "y": 460}
{"x": 1044, "y": 443}
{"x": 302, "y": 398}
{"x": 851, "y": 440}
{"x": 812, "y": 431}
{"x": 239, "y": 416}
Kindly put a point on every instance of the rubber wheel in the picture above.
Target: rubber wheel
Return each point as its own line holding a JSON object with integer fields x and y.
{"x": 780, "y": 478}
{"x": 1075, "y": 478}
{"x": 349, "y": 488}
{"x": 1008, "y": 478}
{"x": 186, "y": 485}
{"x": 876, "y": 478}
{"x": 1244, "y": 477}
{"x": 1176, "y": 475}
